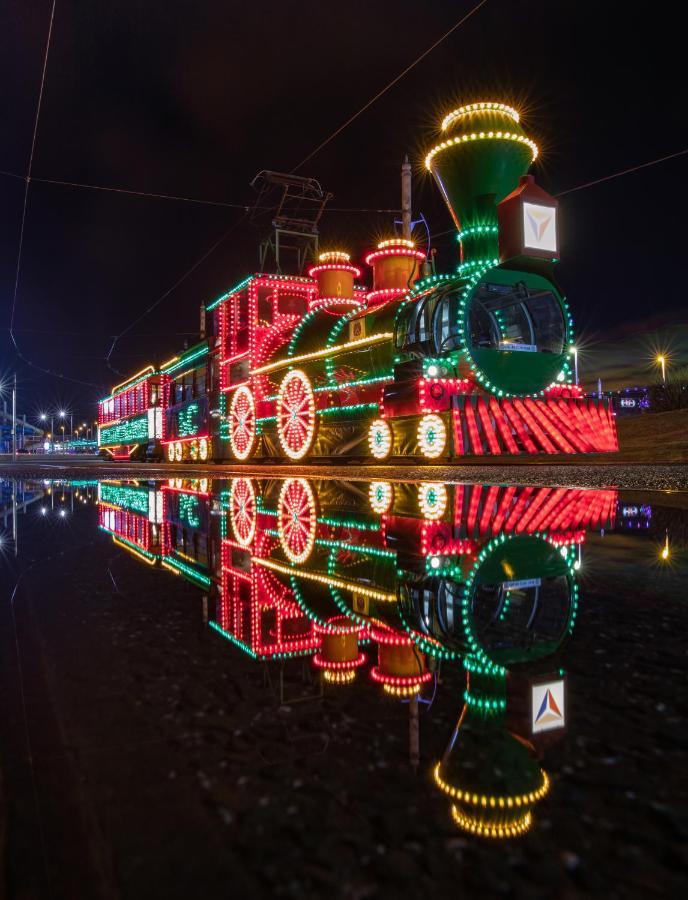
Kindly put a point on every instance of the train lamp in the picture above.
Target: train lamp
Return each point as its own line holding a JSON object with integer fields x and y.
{"x": 574, "y": 352}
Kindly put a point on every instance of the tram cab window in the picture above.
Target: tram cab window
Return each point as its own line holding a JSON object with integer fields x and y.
{"x": 413, "y": 329}
{"x": 512, "y": 317}
{"x": 447, "y": 324}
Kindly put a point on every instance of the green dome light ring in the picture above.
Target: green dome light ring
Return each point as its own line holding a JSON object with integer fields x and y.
{"x": 510, "y": 373}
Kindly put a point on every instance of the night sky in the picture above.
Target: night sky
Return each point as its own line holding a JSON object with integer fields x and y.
{"x": 194, "y": 98}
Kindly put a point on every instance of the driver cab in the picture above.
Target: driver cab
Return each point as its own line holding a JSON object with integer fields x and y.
{"x": 504, "y": 317}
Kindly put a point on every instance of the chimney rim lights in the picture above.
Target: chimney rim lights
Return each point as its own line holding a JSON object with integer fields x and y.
{"x": 397, "y": 242}
{"x": 334, "y": 267}
{"x": 481, "y": 136}
{"x": 484, "y": 106}
{"x": 334, "y": 256}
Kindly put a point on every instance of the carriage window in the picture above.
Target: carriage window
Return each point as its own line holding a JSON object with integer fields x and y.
{"x": 265, "y": 305}
{"x": 242, "y": 310}
{"x": 292, "y": 304}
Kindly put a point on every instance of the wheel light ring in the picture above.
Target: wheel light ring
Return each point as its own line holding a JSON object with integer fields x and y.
{"x": 380, "y": 438}
{"x": 380, "y": 496}
{"x": 432, "y": 499}
{"x": 432, "y": 436}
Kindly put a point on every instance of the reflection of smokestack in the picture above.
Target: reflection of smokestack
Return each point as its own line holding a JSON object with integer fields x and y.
{"x": 406, "y": 214}
{"x": 482, "y": 154}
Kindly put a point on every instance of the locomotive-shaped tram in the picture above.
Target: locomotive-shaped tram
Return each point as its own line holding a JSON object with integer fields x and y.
{"x": 428, "y": 366}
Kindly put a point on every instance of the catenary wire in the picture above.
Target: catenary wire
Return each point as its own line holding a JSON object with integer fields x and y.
{"x": 196, "y": 200}
{"x": 390, "y": 85}
{"x": 587, "y": 184}
{"x": 27, "y": 183}
{"x": 159, "y": 300}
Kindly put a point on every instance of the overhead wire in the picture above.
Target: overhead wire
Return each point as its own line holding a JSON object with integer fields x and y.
{"x": 587, "y": 184}
{"x": 201, "y": 202}
{"x": 390, "y": 85}
{"x": 646, "y": 165}
{"x": 166, "y": 294}
{"x": 27, "y": 183}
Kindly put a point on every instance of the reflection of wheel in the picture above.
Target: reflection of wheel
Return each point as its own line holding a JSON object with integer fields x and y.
{"x": 432, "y": 436}
{"x": 380, "y": 438}
{"x": 242, "y": 423}
{"x": 380, "y": 496}
{"x": 432, "y": 499}
{"x": 295, "y": 414}
{"x": 242, "y": 509}
{"x": 178, "y": 451}
{"x": 203, "y": 449}
{"x": 170, "y": 451}
{"x": 296, "y": 519}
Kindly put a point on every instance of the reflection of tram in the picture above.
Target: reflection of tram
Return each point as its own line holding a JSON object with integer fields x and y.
{"x": 404, "y": 577}
{"x": 189, "y": 539}
{"x": 436, "y": 366}
{"x": 432, "y": 572}
{"x": 133, "y": 514}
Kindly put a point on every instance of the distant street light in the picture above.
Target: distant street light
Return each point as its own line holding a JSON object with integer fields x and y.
{"x": 661, "y": 360}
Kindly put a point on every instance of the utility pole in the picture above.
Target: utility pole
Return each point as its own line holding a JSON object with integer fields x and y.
{"x": 406, "y": 198}
{"x": 14, "y": 419}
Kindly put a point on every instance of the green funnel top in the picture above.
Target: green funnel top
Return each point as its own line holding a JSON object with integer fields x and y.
{"x": 483, "y": 153}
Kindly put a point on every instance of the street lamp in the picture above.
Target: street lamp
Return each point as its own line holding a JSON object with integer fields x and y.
{"x": 574, "y": 351}
{"x": 661, "y": 361}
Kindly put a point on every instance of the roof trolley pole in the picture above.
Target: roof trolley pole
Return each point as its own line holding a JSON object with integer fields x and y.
{"x": 287, "y": 213}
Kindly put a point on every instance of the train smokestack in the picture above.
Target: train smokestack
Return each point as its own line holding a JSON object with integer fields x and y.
{"x": 406, "y": 210}
{"x": 479, "y": 160}
{"x": 335, "y": 276}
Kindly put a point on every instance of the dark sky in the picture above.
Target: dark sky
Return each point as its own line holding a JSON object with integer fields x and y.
{"x": 193, "y": 97}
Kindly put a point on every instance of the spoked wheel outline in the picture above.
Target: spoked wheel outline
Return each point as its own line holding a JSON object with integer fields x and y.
{"x": 178, "y": 451}
{"x": 242, "y": 423}
{"x": 380, "y": 438}
{"x": 296, "y": 414}
{"x": 296, "y": 519}
{"x": 242, "y": 508}
{"x": 170, "y": 451}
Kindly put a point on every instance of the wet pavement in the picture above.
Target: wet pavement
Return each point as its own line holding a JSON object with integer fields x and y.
{"x": 540, "y": 472}
{"x": 177, "y": 717}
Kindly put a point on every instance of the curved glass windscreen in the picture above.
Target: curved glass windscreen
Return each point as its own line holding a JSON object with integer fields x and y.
{"x": 513, "y": 317}
{"x": 523, "y": 615}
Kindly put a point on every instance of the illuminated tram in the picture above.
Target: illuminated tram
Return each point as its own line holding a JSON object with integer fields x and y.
{"x": 430, "y": 366}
